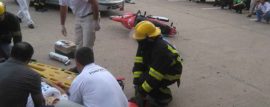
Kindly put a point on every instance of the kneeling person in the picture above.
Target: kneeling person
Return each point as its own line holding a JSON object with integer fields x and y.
{"x": 17, "y": 80}
{"x": 95, "y": 86}
{"x": 9, "y": 30}
{"x": 157, "y": 65}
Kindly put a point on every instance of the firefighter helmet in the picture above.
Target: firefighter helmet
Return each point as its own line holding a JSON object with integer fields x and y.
{"x": 146, "y": 29}
{"x": 2, "y": 8}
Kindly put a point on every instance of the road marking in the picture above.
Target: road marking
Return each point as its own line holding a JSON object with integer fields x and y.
{"x": 211, "y": 8}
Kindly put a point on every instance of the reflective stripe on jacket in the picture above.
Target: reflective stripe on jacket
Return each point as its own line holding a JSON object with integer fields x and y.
{"x": 157, "y": 64}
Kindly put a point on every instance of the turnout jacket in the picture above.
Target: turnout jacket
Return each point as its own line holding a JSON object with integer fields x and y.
{"x": 157, "y": 64}
{"x": 10, "y": 29}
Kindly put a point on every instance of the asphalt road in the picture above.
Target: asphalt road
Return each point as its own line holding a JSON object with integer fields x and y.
{"x": 226, "y": 55}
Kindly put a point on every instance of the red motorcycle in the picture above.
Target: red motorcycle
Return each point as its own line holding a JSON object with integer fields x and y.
{"x": 129, "y": 20}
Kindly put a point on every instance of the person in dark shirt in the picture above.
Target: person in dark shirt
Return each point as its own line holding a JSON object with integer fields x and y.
{"x": 9, "y": 30}
{"x": 17, "y": 80}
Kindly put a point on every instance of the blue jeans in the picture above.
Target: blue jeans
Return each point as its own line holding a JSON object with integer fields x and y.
{"x": 259, "y": 15}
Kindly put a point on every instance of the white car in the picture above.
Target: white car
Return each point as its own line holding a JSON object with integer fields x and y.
{"x": 104, "y": 5}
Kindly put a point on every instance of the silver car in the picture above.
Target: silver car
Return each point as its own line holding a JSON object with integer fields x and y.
{"x": 104, "y": 5}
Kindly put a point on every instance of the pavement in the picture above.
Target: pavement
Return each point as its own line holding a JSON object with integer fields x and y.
{"x": 226, "y": 55}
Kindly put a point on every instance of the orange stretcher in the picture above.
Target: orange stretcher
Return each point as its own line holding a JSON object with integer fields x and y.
{"x": 53, "y": 74}
{"x": 58, "y": 75}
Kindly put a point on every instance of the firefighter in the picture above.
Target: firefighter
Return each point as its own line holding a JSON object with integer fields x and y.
{"x": 9, "y": 29}
{"x": 40, "y": 5}
{"x": 157, "y": 65}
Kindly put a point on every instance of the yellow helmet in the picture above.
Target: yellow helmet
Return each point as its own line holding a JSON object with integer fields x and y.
{"x": 145, "y": 29}
{"x": 2, "y": 8}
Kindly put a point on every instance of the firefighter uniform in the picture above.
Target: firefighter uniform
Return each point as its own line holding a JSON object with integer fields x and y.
{"x": 157, "y": 65}
{"x": 9, "y": 30}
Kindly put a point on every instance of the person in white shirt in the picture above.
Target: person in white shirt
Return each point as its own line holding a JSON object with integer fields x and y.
{"x": 95, "y": 86}
{"x": 263, "y": 11}
{"x": 86, "y": 20}
{"x": 24, "y": 14}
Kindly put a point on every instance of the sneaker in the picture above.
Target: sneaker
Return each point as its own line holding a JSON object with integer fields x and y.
{"x": 249, "y": 15}
{"x": 31, "y": 26}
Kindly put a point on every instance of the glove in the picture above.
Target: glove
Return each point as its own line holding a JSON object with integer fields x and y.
{"x": 64, "y": 30}
{"x": 96, "y": 25}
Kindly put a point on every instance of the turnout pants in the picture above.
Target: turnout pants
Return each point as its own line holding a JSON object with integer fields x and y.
{"x": 85, "y": 31}
{"x": 23, "y": 13}
{"x": 157, "y": 98}
{"x": 160, "y": 98}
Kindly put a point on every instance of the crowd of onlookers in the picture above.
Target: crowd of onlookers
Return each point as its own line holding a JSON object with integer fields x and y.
{"x": 260, "y": 8}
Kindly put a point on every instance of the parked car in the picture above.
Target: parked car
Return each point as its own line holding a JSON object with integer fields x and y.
{"x": 104, "y": 5}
